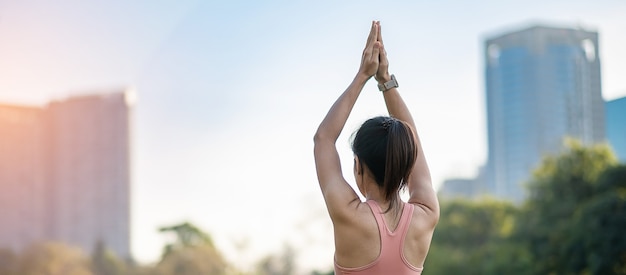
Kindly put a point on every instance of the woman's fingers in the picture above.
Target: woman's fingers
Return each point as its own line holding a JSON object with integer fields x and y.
{"x": 371, "y": 53}
{"x": 376, "y": 51}
{"x": 383, "y": 65}
{"x": 372, "y": 36}
{"x": 383, "y": 55}
{"x": 379, "y": 35}
{"x": 375, "y": 32}
{"x": 371, "y": 40}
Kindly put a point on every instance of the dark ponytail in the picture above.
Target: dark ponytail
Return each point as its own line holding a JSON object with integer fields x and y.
{"x": 387, "y": 146}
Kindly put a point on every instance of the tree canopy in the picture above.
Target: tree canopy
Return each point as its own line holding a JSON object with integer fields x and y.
{"x": 572, "y": 222}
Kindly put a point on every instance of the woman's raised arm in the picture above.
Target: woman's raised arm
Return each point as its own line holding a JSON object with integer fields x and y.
{"x": 337, "y": 193}
{"x": 420, "y": 187}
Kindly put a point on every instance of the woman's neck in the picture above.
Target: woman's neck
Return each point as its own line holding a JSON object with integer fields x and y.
{"x": 376, "y": 193}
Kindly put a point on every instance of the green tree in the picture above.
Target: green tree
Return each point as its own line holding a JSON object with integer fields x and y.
{"x": 315, "y": 272}
{"x": 8, "y": 262}
{"x": 193, "y": 260}
{"x": 282, "y": 264}
{"x": 105, "y": 262}
{"x": 473, "y": 237}
{"x": 558, "y": 189}
{"x": 141, "y": 270}
{"x": 572, "y": 223}
{"x": 193, "y": 253}
{"x": 53, "y": 258}
{"x": 187, "y": 234}
{"x": 597, "y": 244}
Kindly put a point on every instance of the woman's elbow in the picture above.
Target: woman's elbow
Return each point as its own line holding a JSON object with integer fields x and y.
{"x": 319, "y": 136}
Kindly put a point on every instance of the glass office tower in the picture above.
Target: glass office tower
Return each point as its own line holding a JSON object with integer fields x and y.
{"x": 542, "y": 84}
{"x": 616, "y": 126}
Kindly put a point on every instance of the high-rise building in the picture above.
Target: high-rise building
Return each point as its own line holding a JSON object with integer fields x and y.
{"x": 459, "y": 188}
{"x": 65, "y": 173}
{"x": 542, "y": 84}
{"x": 23, "y": 174}
{"x": 616, "y": 126}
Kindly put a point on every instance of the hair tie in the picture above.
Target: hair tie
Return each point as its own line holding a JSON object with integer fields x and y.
{"x": 387, "y": 123}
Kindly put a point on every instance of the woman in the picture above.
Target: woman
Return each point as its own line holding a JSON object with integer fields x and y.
{"x": 382, "y": 235}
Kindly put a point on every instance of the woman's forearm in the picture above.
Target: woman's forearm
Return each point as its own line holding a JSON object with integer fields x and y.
{"x": 333, "y": 123}
{"x": 397, "y": 108}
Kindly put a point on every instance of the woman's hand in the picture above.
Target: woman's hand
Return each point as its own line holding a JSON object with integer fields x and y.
{"x": 382, "y": 74}
{"x": 370, "y": 58}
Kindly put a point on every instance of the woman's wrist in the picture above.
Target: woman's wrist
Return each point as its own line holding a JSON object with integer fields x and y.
{"x": 361, "y": 78}
{"x": 384, "y": 78}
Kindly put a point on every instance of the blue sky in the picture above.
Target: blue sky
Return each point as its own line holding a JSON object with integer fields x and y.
{"x": 231, "y": 92}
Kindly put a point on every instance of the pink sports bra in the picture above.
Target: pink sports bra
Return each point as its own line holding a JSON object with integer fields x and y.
{"x": 391, "y": 259}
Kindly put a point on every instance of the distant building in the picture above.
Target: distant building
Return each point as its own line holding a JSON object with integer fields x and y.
{"x": 542, "y": 84}
{"x": 65, "y": 173}
{"x": 459, "y": 188}
{"x": 23, "y": 176}
{"x": 616, "y": 126}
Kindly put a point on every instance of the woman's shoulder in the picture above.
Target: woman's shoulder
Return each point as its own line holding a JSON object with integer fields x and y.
{"x": 423, "y": 218}
{"x": 354, "y": 214}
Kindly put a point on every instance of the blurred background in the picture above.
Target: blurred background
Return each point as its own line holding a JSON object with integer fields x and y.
{"x": 175, "y": 137}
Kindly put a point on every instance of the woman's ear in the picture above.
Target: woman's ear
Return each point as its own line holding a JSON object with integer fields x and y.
{"x": 358, "y": 169}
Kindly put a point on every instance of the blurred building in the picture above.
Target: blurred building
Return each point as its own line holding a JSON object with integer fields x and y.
{"x": 542, "y": 84}
{"x": 616, "y": 126}
{"x": 65, "y": 173}
{"x": 23, "y": 175}
{"x": 459, "y": 188}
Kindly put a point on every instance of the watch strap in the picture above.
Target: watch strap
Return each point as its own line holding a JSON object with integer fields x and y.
{"x": 393, "y": 83}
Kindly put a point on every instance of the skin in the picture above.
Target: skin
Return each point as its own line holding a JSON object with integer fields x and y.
{"x": 357, "y": 240}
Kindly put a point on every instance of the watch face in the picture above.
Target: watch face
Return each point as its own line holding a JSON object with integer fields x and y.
{"x": 389, "y": 84}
